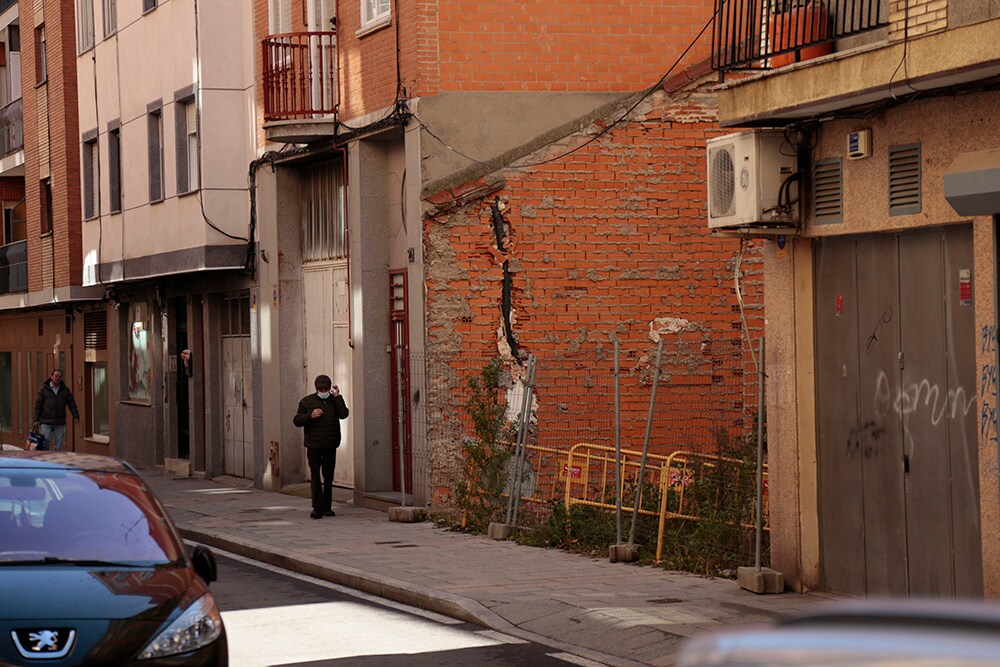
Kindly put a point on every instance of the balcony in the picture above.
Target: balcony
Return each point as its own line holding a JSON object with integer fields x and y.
{"x": 14, "y": 268}
{"x": 11, "y": 128}
{"x": 766, "y": 34}
{"x": 300, "y": 84}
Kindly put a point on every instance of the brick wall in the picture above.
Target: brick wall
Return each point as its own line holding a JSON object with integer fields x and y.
{"x": 916, "y": 17}
{"x": 514, "y": 46}
{"x": 52, "y": 147}
{"x": 600, "y": 244}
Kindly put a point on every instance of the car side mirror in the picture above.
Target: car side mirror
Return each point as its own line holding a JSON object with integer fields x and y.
{"x": 203, "y": 561}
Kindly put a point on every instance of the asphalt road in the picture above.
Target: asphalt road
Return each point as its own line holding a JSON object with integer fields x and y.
{"x": 276, "y": 617}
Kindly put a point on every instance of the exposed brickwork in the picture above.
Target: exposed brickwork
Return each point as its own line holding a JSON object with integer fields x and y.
{"x": 52, "y": 145}
{"x": 599, "y": 244}
{"x": 916, "y": 17}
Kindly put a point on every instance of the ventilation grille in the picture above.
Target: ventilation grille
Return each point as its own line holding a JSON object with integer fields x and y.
{"x": 904, "y": 179}
{"x": 69, "y": 324}
{"x": 828, "y": 191}
{"x": 722, "y": 182}
{"x": 95, "y": 331}
{"x": 41, "y": 327}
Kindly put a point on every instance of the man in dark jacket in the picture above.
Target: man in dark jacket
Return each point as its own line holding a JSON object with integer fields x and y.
{"x": 50, "y": 410}
{"x": 319, "y": 415}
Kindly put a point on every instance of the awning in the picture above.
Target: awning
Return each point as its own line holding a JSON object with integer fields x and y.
{"x": 972, "y": 183}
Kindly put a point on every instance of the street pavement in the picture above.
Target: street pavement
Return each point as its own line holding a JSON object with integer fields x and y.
{"x": 612, "y": 613}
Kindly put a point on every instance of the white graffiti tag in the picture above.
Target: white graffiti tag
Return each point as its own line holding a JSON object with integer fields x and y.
{"x": 920, "y": 396}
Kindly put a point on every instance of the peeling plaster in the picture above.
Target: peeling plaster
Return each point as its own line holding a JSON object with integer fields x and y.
{"x": 667, "y": 325}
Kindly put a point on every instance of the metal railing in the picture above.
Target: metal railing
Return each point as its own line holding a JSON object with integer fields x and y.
{"x": 300, "y": 75}
{"x": 760, "y": 34}
{"x": 14, "y": 268}
{"x": 6, "y": 4}
{"x": 592, "y": 478}
{"x": 11, "y": 128}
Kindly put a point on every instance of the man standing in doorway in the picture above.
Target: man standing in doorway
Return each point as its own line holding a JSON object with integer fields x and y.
{"x": 319, "y": 415}
{"x": 50, "y": 410}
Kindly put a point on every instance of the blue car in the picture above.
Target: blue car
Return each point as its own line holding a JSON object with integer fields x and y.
{"x": 93, "y": 572}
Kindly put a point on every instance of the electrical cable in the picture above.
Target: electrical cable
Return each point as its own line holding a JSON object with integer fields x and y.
{"x": 739, "y": 300}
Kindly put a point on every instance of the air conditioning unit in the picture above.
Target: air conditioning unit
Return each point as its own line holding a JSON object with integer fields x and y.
{"x": 748, "y": 172}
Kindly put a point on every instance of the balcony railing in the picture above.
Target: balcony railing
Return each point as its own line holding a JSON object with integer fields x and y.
{"x": 11, "y": 128}
{"x": 761, "y": 34}
{"x": 6, "y": 4}
{"x": 14, "y": 268}
{"x": 300, "y": 75}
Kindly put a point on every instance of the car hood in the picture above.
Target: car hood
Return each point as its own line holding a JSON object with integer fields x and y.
{"x": 55, "y": 592}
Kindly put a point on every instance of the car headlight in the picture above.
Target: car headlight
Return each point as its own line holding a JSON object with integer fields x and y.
{"x": 198, "y": 626}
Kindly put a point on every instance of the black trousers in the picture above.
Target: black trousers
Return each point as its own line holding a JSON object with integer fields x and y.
{"x": 322, "y": 462}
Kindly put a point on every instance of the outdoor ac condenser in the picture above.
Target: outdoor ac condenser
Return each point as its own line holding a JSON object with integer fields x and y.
{"x": 746, "y": 171}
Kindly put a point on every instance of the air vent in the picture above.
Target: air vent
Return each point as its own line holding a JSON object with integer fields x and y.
{"x": 828, "y": 191}
{"x": 41, "y": 327}
{"x": 904, "y": 179}
{"x": 722, "y": 173}
{"x": 95, "y": 331}
{"x": 69, "y": 324}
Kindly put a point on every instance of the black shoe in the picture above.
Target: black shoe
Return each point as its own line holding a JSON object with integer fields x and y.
{"x": 315, "y": 514}
{"x": 329, "y": 513}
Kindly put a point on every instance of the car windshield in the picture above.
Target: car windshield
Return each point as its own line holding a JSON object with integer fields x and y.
{"x": 81, "y": 516}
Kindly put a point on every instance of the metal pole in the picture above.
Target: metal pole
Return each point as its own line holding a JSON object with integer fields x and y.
{"x": 520, "y": 437}
{"x": 645, "y": 443}
{"x": 618, "y": 451}
{"x": 401, "y": 426}
{"x": 526, "y": 428}
{"x": 760, "y": 454}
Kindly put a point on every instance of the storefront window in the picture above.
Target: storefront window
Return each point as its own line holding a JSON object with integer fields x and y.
{"x": 140, "y": 378}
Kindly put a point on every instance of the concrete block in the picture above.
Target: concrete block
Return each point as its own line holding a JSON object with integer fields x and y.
{"x": 499, "y": 531}
{"x": 764, "y": 580}
{"x": 407, "y": 514}
{"x": 179, "y": 467}
{"x": 623, "y": 553}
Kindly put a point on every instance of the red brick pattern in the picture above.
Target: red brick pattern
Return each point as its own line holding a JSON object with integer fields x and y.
{"x": 52, "y": 136}
{"x": 600, "y": 243}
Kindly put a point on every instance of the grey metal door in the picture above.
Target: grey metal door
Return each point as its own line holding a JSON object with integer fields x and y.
{"x": 896, "y": 414}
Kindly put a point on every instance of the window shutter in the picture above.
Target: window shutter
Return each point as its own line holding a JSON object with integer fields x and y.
{"x": 180, "y": 144}
{"x": 95, "y": 331}
{"x": 114, "y": 170}
{"x": 88, "y": 179}
{"x": 155, "y": 157}
{"x": 904, "y": 179}
{"x": 148, "y": 4}
{"x": 828, "y": 191}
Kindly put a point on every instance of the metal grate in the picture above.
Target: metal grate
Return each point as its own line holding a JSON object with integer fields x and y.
{"x": 904, "y": 179}
{"x": 95, "y": 331}
{"x": 68, "y": 324}
{"x": 722, "y": 181}
{"x": 828, "y": 191}
{"x": 41, "y": 327}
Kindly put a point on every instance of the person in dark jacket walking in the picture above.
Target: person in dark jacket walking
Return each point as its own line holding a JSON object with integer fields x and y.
{"x": 319, "y": 415}
{"x": 50, "y": 410}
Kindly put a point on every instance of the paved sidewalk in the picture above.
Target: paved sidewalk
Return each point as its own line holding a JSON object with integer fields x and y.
{"x": 616, "y": 614}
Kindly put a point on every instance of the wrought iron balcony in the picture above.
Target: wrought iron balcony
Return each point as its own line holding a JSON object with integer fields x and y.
{"x": 300, "y": 75}
{"x": 14, "y": 268}
{"x": 761, "y": 34}
{"x": 11, "y": 128}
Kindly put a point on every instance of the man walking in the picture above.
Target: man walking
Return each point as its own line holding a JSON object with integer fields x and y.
{"x": 50, "y": 410}
{"x": 319, "y": 415}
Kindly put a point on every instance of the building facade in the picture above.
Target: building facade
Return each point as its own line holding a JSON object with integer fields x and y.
{"x": 882, "y": 307}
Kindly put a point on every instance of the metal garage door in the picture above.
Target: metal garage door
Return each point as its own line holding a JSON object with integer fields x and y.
{"x": 896, "y": 414}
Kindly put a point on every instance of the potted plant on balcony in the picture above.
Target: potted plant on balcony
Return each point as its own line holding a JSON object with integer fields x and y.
{"x": 798, "y": 30}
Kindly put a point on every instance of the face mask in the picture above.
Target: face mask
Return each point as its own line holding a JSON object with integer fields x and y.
{"x": 323, "y": 394}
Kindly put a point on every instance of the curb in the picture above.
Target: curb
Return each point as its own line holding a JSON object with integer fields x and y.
{"x": 446, "y": 604}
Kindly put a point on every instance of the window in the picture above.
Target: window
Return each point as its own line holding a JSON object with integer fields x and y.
{"x": 15, "y": 222}
{"x": 41, "y": 66}
{"x": 114, "y": 168}
{"x": 148, "y": 5}
{"x": 186, "y": 136}
{"x": 324, "y": 232}
{"x": 154, "y": 129}
{"x": 374, "y": 11}
{"x": 110, "y": 17}
{"x": 84, "y": 25}
{"x": 91, "y": 177}
{"x": 140, "y": 373}
{"x": 98, "y": 413}
{"x": 279, "y": 17}
{"x": 46, "y": 196}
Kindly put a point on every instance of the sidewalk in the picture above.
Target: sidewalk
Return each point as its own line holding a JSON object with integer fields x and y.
{"x": 616, "y": 614}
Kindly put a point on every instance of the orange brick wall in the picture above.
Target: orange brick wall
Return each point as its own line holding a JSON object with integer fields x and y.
{"x": 600, "y": 243}
{"x": 52, "y": 135}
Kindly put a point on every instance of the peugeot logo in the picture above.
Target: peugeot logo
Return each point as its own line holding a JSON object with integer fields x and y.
{"x": 44, "y": 643}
